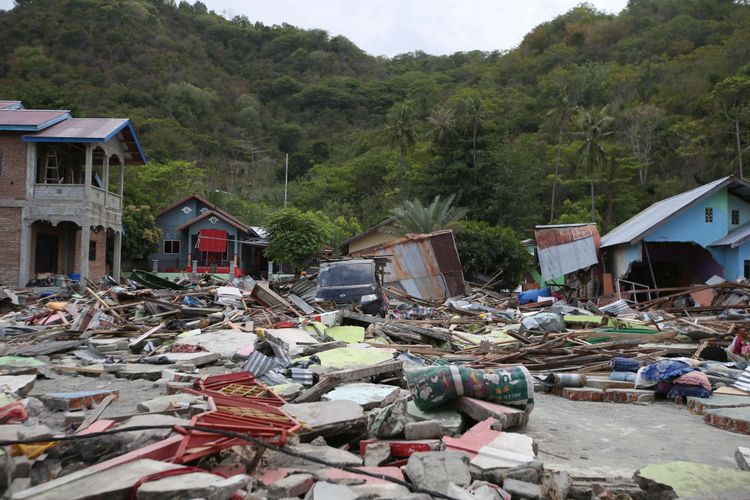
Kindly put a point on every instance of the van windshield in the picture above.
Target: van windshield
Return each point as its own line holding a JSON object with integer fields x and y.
{"x": 346, "y": 275}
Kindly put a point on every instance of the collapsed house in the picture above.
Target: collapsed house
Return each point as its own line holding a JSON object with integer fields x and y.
{"x": 683, "y": 240}
{"x": 61, "y": 193}
{"x": 570, "y": 251}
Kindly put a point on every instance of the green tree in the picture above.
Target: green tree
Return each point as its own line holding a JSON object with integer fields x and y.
{"x": 400, "y": 135}
{"x": 593, "y": 127}
{"x": 560, "y": 115}
{"x": 295, "y": 237}
{"x": 414, "y": 217}
{"x": 442, "y": 122}
{"x": 489, "y": 250}
{"x": 140, "y": 233}
{"x": 732, "y": 100}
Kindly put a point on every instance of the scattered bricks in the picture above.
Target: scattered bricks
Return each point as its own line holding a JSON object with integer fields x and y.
{"x": 731, "y": 419}
{"x": 291, "y": 486}
{"x": 628, "y": 396}
{"x": 426, "y": 429}
{"x": 582, "y": 394}
{"x": 742, "y": 455}
{"x": 67, "y": 401}
{"x": 520, "y": 489}
{"x": 377, "y": 454}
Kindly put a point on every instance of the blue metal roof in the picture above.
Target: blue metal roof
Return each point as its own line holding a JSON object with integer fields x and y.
{"x": 735, "y": 237}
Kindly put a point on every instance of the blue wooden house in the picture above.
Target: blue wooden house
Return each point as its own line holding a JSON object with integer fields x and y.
{"x": 685, "y": 239}
{"x": 198, "y": 236}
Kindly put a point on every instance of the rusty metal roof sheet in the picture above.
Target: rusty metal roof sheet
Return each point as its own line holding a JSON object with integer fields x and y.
{"x": 426, "y": 266}
{"x": 30, "y": 120}
{"x": 563, "y": 249}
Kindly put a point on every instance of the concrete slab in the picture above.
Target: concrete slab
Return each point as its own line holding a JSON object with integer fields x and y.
{"x": 435, "y": 470}
{"x": 196, "y": 358}
{"x": 132, "y": 371}
{"x": 343, "y": 358}
{"x": 348, "y": 334}
{"x": 165, "y": 403}
{"x": 18, "y": 384}
{"x": 92, "y": 482}
{"x": 327, "y": 418}
{"x": 368, "y": 396}
{"x": 223, "y": 342}
{"x": 333, "y": 456}
{"x": 699, "y": 405}
{"x": 447, "y": 415}
{"x": 691, "y": 480}
{"x": 194, "y": 485}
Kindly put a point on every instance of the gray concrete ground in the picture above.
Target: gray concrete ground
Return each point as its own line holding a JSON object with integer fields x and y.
{"x": 616, "y": 439}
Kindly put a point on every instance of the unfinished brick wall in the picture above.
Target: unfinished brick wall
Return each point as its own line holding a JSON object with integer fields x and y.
{"x": 97, "y": 268}
{"x": 13, "y": 168}
{"x": 10, "y": 244}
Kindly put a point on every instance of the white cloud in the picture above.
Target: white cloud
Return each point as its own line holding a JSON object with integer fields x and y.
{"x": 390, "y": 27}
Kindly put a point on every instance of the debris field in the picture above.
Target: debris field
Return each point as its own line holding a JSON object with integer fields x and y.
{"x": 243, "y": 389}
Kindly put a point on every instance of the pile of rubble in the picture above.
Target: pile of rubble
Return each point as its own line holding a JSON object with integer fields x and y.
{"x": 244, "y": 389}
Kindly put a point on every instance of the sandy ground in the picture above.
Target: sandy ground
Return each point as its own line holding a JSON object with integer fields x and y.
{"x": 616, "y": 439}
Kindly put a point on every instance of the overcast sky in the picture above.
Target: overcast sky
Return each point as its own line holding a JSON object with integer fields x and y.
{"x": 390, "y": 27}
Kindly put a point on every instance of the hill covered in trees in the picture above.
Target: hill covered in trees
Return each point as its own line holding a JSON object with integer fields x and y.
{"x": 632, "y": 107}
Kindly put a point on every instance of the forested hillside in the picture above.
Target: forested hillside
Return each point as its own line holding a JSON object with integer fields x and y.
{"x": 637, "y": 106}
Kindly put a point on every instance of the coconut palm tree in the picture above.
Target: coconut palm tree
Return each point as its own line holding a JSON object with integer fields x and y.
{"x": 474, "y": 116}
{"x": 442, "y": 122}
{"x": 400, "y": 135}
{"x": 593, "y": 127}
{"x": 560, "y": 115}
{"x": 414, "y": 217}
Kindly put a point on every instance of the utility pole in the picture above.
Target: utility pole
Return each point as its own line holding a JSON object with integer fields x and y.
{"x": 286, "y": 177}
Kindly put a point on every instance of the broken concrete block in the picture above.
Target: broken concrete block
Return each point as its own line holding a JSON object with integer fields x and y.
{"x": 333, "y": 456}
{"x": 426, "y": 429}
{"x": 509, "y": 449}
{"x": 447, "y": 415}
{"x": 479, "y": 410}
{"x": 33, "y": 431}
{"x": 530, "y": 473}
{"x": 223, "y": 342}
{"x": 377, "y": 454}
{"x": 67, "y": 401}
{"x": 521, "y": 489}
{"x": 388, "y": 422}
{"x": 368, "y": 396}
{"x": 327, "y": 418}
{"x": 457, "y": 493}
{"x": 194, "y": 485}
{"x": 380, "y": 490}
{"x": 693, "y": 480}
{"x": 556, "y": 486}
{"x": 327, "y": 491}
{"x": 95, "y": 483}
{"x": 482, "y": 490}
{"x": 166, "y": 403}
{"x": 742, "y": 455}
{"x": 291, "y": 486}
{"x": 133, "y": 371}
{"x": 20, "y": 385}
{"x": 434, "y": 470}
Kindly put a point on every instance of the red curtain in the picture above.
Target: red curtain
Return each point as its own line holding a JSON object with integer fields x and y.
{"x": 212, "y": 240}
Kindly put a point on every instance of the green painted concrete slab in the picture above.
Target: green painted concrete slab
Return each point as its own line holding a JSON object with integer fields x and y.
{"x": 693, "y": 480}
{"x": 348, "y": 334}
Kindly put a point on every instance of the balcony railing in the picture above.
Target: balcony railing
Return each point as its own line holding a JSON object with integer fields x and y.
{"x": 77, "y": 192}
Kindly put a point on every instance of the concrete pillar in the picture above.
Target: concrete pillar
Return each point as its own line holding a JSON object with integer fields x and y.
{"x": 117, "y": 256}
{"x": 89, "y": 169}
{"x": 270, "y": 270}
{"x": 105, "y": 168}
{"x": 121, "y": 179}
{"x": 25, "y": 263}
{"x": 83, "y": 265}
{"x": 31, "y": 148}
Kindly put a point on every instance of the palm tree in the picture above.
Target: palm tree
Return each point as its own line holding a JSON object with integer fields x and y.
{"x": 560, "y": 115}
{"x": 443, "y": 123}
{"x": 474, "y": 116}
{"x": 413, "y": 217}
{"x": 401, "y": 135}
{"x": 593, "y": 127}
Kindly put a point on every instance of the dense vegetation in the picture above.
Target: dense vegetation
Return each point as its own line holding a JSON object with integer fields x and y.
{"x": 631, "y": 108}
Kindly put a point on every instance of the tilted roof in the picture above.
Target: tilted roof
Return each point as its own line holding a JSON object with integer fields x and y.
{"x": 30, "y": 120}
